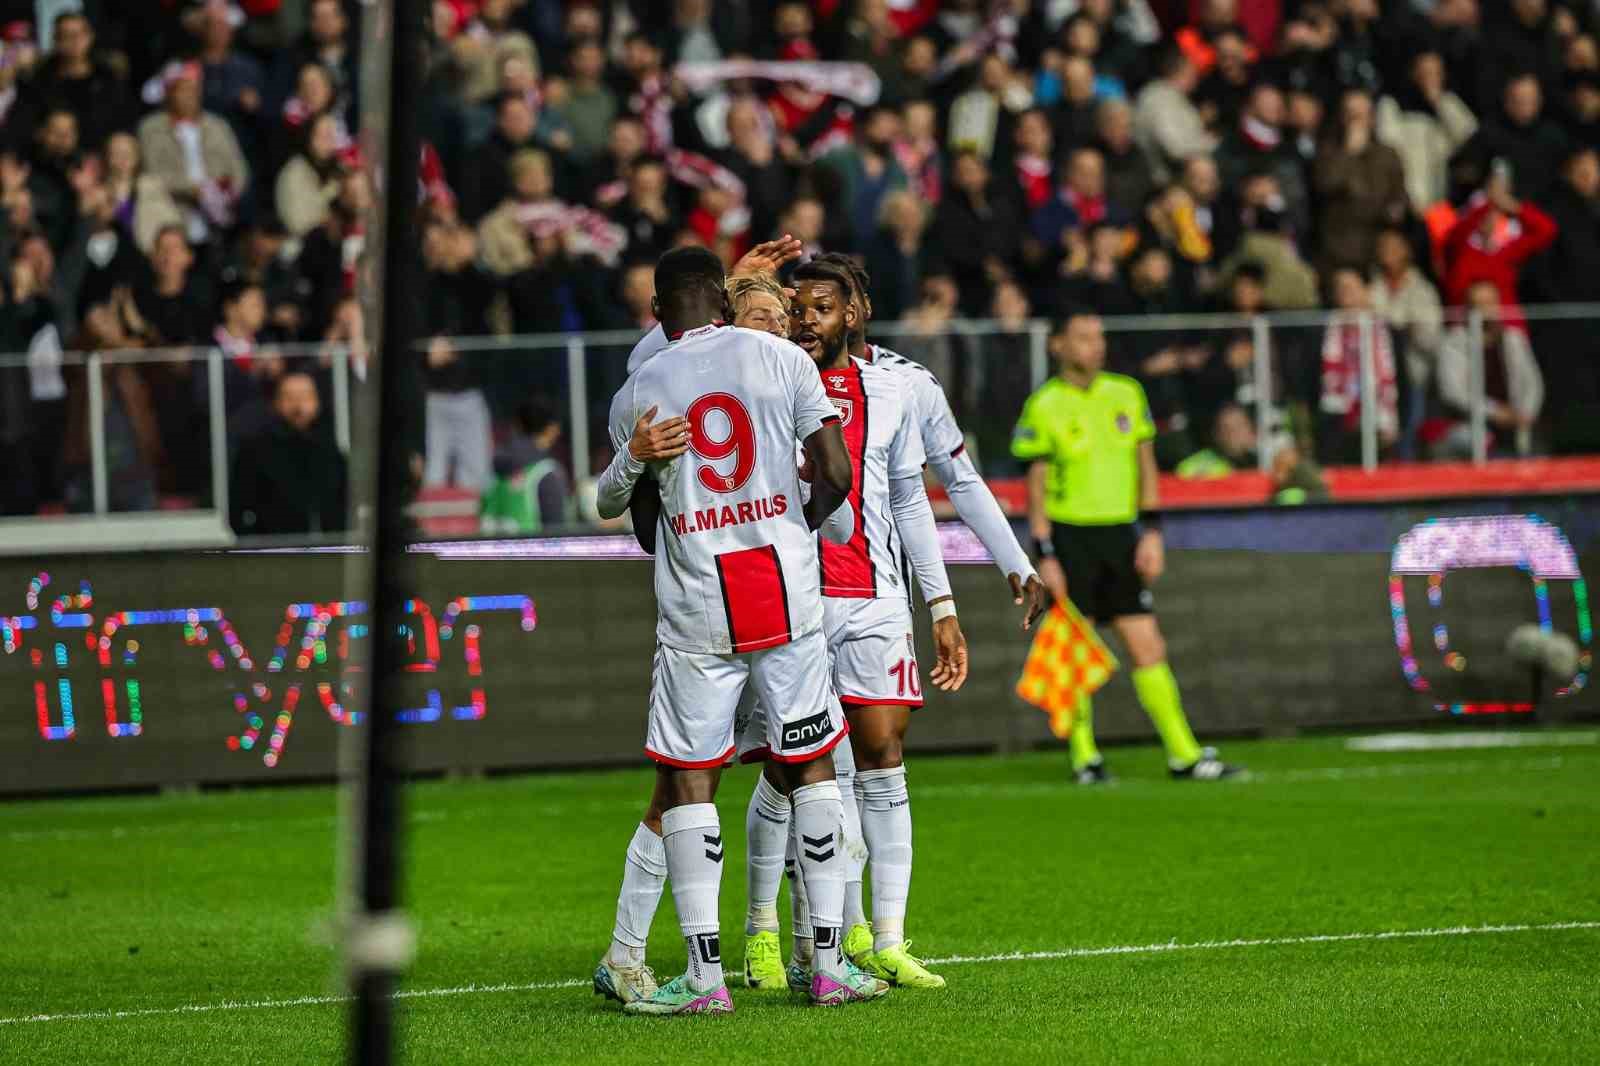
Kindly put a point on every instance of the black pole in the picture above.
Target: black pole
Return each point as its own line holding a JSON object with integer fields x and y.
{"x": 380, "y": 791}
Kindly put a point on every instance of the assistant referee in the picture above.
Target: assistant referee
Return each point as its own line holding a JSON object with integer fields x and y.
{"x": 1093, "y": 511}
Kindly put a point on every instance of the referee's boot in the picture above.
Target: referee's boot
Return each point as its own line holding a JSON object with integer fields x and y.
{"x": 1094, "y": 773}
{"x": 1209, "y": 767}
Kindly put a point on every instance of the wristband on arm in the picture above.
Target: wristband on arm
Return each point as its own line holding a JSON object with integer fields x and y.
{"x": 1150, "y": 520}
{"x": 942, "y": 610}
{"x": 1043, "y": 548}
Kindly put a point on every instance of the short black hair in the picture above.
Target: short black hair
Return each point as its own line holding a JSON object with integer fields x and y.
{"x": 827, "y": 270}
{"x": 234, "y": 286}
{"x": 859, "y": 281}
{"x": 535, "y": 415}
{"x": 683, "y": 270}
{"x": 1070, "y": 313}
{"x": 1251, "y": 270}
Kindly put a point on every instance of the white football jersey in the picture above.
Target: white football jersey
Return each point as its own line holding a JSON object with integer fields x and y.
{"x": 736, "y": 567}
{"x": 936, "y": 423}
{"x": 885, "y": 444}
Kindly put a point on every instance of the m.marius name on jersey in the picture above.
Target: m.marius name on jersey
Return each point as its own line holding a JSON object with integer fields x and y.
{"x": 730, "y": 515}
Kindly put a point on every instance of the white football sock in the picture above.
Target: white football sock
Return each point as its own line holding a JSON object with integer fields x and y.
{"x": 766, "y": 829}
{"x": 886, "y": 823}
{"x": 818, "y": 821}
{"x": 693, "y": 837}
{"x": 855, "y": 846}
{"x": 805, "y": 944}
{"x": 644, "y": 874}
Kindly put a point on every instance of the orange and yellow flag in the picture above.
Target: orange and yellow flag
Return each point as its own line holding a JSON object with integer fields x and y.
{"x": 1067, "y": 662}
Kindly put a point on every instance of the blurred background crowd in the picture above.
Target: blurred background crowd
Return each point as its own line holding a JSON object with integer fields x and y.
{"x": 190, "y": 174}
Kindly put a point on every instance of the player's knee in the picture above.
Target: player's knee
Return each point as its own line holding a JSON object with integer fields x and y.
{"x": 878, "y": 750}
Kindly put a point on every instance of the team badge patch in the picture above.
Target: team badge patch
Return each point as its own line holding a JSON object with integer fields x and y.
{"x": 1124, "y": 423}
{"x": 846, "y": 408}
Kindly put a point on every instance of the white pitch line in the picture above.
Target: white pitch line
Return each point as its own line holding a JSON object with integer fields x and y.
{"x": 951, "y": 960}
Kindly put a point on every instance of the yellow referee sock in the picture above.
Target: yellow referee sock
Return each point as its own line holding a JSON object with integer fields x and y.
{"x": 1084, "y": 751}
{"x": 1158, "y": 694}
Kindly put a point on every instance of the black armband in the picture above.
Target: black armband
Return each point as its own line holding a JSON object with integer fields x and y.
{"x": 1043, "y": 549}
{"x": 1150, "y": 519}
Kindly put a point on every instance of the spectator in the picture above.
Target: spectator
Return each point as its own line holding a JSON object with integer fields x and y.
{"x": 1513, "y": 387}
{"x": 308, "y": 184}
{"x": 1425, "y": 123}
{"x": 1521, "y": 35}
{"x": 71, "y": 78}
{"x": 1288, "y": 282}
{"x": 1234, "y": 447}
{"x": 589, "y": 105}
{"x": 530, "y": 492}
{"x": 1129, "y": 181}
{"x": 1033, "y": 159}
{"x": 315, "y": 96}
{"x": 894, "y": 254}
{"x": 1492, "y": 241}
{"x": 233, "y": 82}
{"x": 483, "y": 45}
{"x": 646, "y": 215}
{"x": 804, "y": 220}
{"x": 50, "y": 177}
{"x": 140, "y": 200}
{"x": 1572, "y": 267}
{"x": 331, "y": 254}
{"x": 1531, "y": 144}
{"x": 1160, "y": 359}
{"x": 918, "y": 151}
{"x": 753, "y": 158}
{"x": 1362, "y": 186}
{"x": 485, "y": 180}
{"x": 326, "y": 43}
{"x": 458, "y": 437}
{"x": 1166, "y": 120}
{"x": 606, "y": 180}
{"x": 1203, "y": 183}
{"x": 1257, "y": 144}
{"x": 174, "y": 302}
{"x": 133, "y": 439}
{"x": 1339, "y": 433}
{"x": 977, "y": 231}
{"x": 195, "y": 155}
{"x": 1076, "y": 112}
{"x": 259, "y": 258}
{"x": 868, "y": 171}
{"x": 983, "y": 116}
{"x": 1091, "y": 274}
{"x": 1582, "y": 115}
{"x": 1221, "y": 95}
{"x": 638, "y": 292}
{"x": 289, "y": 478}
{"x": 1078, "y": 201}
{"x": 1409, "y": 304}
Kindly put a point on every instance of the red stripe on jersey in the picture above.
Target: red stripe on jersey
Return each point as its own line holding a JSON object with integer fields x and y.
{"x": 755, "y": 598}
{"x": 847, "y": 570}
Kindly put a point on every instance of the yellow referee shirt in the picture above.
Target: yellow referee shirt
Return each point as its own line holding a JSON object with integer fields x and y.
{"x": 1091, "y": 439}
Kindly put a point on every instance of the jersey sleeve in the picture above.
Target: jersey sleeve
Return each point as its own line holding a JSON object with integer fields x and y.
{"x": 941, "y": 437}
{"x": 906, "y": 457}
{"x": 812, "y": 408}
{"x": 1031, "y": 439}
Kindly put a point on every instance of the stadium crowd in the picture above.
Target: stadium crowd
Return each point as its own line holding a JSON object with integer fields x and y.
{"x": 180, "y": 173}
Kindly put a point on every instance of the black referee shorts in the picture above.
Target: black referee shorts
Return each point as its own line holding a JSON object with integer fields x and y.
{"x": 1098, "y": 560}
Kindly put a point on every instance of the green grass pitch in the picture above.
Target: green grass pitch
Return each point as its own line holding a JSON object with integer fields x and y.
{"x": 156, "y": 905}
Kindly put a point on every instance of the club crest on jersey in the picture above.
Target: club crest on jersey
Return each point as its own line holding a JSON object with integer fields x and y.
{"x": 1124, "y": 423}
{"x": 846, "y": 408}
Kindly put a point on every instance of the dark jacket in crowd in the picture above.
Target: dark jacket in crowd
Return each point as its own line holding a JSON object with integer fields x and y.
{"x": 285, "y": 481}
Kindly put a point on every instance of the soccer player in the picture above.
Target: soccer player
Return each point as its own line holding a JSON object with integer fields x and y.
{"x": 738, "y": 593}
{"x": 1093, "y": 508}
{"x": 868, "y": 622}
{"x": 945, "y": 446}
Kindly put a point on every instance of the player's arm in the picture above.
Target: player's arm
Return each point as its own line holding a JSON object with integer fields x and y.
{"x": 650, "y": 442}
{"x": 1150, "y": 557}
{"x": 1050, "y": 572}
{"x": 977, "y": 507}
{"x": 832, "y": 477}
{"x": 644, "y": 505}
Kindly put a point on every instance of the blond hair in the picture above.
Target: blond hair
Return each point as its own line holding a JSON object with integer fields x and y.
{"x": 741, "y": 287}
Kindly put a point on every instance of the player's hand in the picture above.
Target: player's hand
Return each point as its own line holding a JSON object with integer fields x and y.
{"x": 1054, "y": 578}
{"x": 1150, "y": 557}
{"x": 656, "y": 442}
{"x": 950, "y": 645}
{"x": 1032, "y": 594}
{"x": 768, "y": 256}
